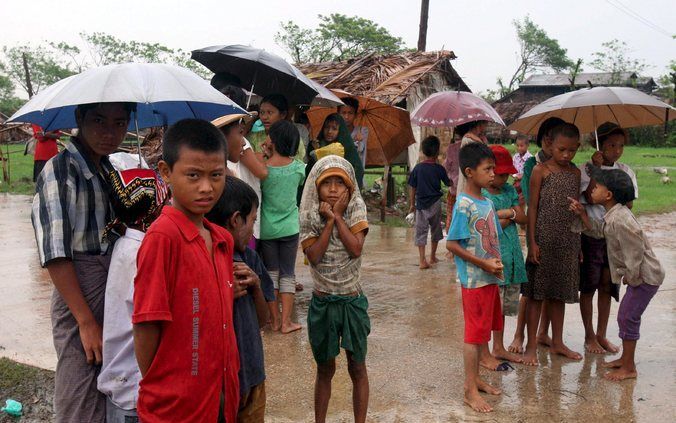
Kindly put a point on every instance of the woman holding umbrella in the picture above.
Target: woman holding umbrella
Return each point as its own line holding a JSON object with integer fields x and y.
{"x": 70, "y": 211}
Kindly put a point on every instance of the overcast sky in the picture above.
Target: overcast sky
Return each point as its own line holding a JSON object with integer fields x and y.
{"x": 480, "y": 32}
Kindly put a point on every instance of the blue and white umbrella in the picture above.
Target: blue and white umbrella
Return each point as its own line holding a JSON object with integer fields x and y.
{"x": 164, "y": 94}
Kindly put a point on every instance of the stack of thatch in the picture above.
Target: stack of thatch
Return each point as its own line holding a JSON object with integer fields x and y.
{"x": 386, "y": 78}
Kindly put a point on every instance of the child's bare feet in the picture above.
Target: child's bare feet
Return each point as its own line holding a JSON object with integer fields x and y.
{"x": 434, "y": 259}
{"x": 477, "y": 402}
{"x": 275, "y": 324}
{"x": 565, "y": 351}
{"x": 489, "y": 362}
{"x": 516, "y": 346}
{"x": 530, "y": 357}
{"x": 424, "y": 265}
{"x": 544, "y": 339}
{"x": 503, "y": 354}
{"x": 615, "y": 364}
{"x": 290, "y": 327}
{"x": 607, "y": 345}
{"x": 592, "y": 346}
{"x": 487, "y": 388}
{"x": 620, "y": 374}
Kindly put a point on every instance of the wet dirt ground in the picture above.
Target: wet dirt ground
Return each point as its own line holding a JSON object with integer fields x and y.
{"x": 415, "y": 347}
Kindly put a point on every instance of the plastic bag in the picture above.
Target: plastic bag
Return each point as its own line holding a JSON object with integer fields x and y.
{"x": 13, "y": 408}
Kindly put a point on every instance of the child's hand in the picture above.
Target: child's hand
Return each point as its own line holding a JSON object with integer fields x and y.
{"x": 493, "y": 266}
{"x": 597, "y": 159}
{"x": 326, "y": 211}
{"x": 341, "y": 204}
{"x": 244, "y": 278}
{"x": 575, "y": 206}
{"x": 533, "y": 253}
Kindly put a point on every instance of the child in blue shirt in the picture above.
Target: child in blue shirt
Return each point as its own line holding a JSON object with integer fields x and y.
{"x": 473, "y": 240}
{"x": 425, "y": 182}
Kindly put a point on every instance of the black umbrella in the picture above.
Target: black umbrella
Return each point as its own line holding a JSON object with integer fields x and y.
{"x": 262, "y": 72}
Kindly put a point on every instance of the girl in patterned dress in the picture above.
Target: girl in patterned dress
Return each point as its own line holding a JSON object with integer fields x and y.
{"x": 553, "y": 250}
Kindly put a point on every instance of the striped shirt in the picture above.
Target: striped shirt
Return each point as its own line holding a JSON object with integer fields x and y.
{"x": 71, "y": 206}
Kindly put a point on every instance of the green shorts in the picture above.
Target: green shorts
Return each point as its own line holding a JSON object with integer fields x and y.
{"x": 509, "y": 297}
{"x": 338, "y": 321}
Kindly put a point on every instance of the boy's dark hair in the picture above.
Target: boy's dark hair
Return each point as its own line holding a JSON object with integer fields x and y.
{"x": 430, "y": 146}
{"x": 222, "y": 79}
{"x": 302, "y": 118}
{"x": 235, "y": 94}
{"x": 82, "y": 109}
{"x": 278, "y": 101}
{"x": 522, "y": 138}
{"x": 473, "y": 154}
{"x": 546, "y": 127}
{"x": 461, "y": 130}
{"x": 609, "y": 129}
{"x": 237, "y": 196}
{"x": 617, "y": 182}
{"x": 196, "y": 134}
{"x": 352, "y": 102}
{"x": 567, "y": 130}
{"x": 285, "y": 136}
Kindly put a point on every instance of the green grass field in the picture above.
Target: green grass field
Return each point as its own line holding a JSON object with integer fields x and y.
{"x": 20, "y": 171}
{"x": 654, "y": 196}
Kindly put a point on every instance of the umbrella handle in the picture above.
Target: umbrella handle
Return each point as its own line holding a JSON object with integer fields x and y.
{"x": 138, "y": 141}
{"x": 596, "y": 135}
{"x": 253, "y": 84}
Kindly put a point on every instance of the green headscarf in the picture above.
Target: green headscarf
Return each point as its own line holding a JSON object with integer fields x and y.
{"x": 345, "y": 139}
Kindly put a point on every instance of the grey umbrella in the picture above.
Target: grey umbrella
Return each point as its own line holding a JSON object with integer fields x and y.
{"x": 264, "y": 73}
{"x": 587, "y": 108}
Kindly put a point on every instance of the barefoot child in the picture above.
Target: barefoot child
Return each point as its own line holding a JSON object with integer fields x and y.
{"x": 506, "y": 201}
{"x": 137, "y": 196}
{"x": 473, "y": 240}
{"x": 184, "y": 338}
{"x": 632, "y": 260}
{"x": 279, "y": 219}
{"x": 236, "y": 212}
{"x": 425, "y": 182}
{"x": 553, "y": 250}
{"x": 543, "y": 140}
{"x": 594, "y": 270}
{"x": 333, "y": 227}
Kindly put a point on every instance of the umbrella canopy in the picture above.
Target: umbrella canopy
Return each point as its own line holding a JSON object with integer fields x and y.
{"x": 164, "y": 94}
{"x": 452, "y": 108}
{"x": 587, "y": 108}
{"x": 389, "y": 127}
{"x": 265, "y": 73}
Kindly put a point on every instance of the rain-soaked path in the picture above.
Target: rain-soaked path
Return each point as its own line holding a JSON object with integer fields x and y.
{"x": 414, "y": 358}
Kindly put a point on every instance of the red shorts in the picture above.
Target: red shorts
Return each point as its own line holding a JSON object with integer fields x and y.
{"x": 483, "y": 313}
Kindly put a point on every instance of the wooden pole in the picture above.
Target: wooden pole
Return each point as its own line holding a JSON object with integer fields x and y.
{"x": 424, "y": 14}
{"x": 29, "y": 85}
{"x": 383, "y": 200}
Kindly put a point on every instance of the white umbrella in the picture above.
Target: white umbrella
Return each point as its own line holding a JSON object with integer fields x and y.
{"x": 164, "y": 94}
{"x": 587, "y": 108}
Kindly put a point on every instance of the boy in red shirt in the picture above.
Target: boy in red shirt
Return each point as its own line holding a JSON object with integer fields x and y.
{"x": 183, "y": 334}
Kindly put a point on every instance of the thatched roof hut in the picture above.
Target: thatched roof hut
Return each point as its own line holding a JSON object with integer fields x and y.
{"x": 13, "y": 133}
{"x": 402, "y": 80}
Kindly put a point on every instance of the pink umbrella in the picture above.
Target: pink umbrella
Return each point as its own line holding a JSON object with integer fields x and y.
{"x": 452, "y": 108}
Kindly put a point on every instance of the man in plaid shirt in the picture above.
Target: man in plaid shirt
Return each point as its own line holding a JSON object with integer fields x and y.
{"x": 70, "y": 211}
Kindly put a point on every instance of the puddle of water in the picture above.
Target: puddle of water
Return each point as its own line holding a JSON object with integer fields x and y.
{"x": 415, "y": 348}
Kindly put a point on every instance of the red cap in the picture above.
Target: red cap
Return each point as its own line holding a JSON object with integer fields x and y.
{"x": 503, "y": 161}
